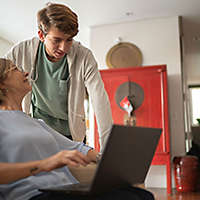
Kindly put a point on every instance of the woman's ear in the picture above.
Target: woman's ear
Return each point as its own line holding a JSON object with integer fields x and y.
{"x": 3, "y": 89}
{"x": 2, "y": 86}
{"x": 41, "y": 35}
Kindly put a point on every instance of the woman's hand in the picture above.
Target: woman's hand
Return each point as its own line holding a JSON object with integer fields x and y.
{"x": 92, "y": 155}
{"x": 72, "y": 158}
{"x": 10, "y": 172}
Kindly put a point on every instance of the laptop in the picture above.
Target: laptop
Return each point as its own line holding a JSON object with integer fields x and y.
{"x": 125, "y": 161}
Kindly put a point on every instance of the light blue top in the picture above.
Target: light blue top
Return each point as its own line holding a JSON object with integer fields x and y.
{"x": 22, "y": 139}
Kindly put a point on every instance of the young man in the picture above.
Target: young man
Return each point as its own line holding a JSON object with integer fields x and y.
{"x": 62, "y": 71}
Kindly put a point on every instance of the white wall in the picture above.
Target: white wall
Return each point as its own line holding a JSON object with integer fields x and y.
{"x": 158, "y": 40}
{"x": 4, "y": 46}
{"x": 191, "y": 69}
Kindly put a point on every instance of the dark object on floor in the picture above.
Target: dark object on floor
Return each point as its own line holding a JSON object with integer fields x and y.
{"x": 194, "y": 150}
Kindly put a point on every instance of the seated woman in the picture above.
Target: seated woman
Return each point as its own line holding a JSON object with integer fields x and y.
{"x": 32, "y": 155}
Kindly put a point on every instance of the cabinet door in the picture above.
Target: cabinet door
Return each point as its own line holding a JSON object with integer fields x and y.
{"x": 153, "y": 112}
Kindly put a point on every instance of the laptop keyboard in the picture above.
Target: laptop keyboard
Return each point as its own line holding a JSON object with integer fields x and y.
{"x": 76, "y": 187}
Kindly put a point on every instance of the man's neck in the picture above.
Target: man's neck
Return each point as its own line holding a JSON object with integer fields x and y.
{"x": 52, "y": 58}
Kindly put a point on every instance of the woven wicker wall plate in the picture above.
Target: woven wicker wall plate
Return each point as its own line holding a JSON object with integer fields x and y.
{"x": 124, "y": 54}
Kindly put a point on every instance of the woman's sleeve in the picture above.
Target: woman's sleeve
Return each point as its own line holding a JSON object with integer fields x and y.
{"x": 63, "y": 142}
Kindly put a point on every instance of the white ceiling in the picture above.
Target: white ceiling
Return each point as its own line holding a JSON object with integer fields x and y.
{"x": 18, "y": 17}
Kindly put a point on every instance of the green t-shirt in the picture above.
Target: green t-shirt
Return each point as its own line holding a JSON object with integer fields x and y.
{"x": 50, "y": 92}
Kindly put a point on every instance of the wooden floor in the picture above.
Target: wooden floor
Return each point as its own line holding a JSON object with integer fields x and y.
{"x": 161, "y": 194}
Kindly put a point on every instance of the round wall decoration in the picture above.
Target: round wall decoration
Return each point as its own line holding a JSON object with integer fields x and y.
{"x": 124, "y": 54}
{"x": 133, "y": 91}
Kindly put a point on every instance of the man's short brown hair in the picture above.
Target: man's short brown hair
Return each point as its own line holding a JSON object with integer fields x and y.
{"x": 59, "y": 16}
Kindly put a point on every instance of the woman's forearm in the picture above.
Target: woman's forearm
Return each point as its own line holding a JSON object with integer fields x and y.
{"x": 10, "y": 172}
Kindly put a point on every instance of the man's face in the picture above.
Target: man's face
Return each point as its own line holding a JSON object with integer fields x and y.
{"x": 57, "y": 44}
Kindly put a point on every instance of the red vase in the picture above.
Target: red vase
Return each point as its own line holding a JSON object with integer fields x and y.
{"x": 186, "y": 172}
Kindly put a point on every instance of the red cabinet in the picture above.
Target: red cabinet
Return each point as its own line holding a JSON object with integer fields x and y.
{"x": 150, "y": 84}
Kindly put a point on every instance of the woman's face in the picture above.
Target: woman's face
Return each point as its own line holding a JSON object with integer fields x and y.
{"x": 17, "y": 81}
